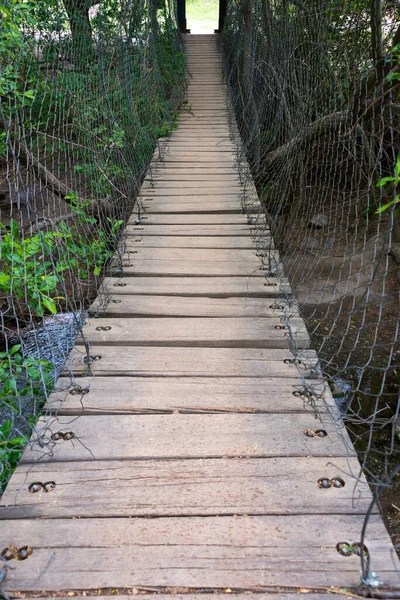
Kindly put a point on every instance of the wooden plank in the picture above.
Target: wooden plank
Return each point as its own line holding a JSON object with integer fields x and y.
{"x": 190, "y": 165}
{"x": 176, "y": 204}
{"x": 167, "y": 176}
{"x": 220, "y": 158}
{"x": 181, "y": 306}
{"x": 180, "y": 268}
{"x": 201, "y": 145}
{"x": 201, "y": 287}
{"x": 207, "y": 332}
{"x": 233, "y": 193}
{"x": 163, "y": 185}
{"x": 293, "y": 595}
{"x": 185, "y": 436}
{"x": 214, "y": 255}
{"x": 198, "y": 230}
{"x": 177, "y": 171}
{"x": 141, "y": 395}
{"x": 166, "y": 241}
{"x": 202, "y": 262}
{"x": 216, "y": 552}
{"x": 182, "y": 362}
{"x": 215, "y": 219}
{"x": 196, "y": 487}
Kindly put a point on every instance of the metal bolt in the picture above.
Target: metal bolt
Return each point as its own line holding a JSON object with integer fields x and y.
{"x": 35, "y": 487}
{"x": 337, "y": 482}
{"x": 9, "y": 553}
{"x": 324, "y": 483}
{"x": 24, "y": 552}
{"x": 320, "y": 432}
{"x": 49, "y": 485}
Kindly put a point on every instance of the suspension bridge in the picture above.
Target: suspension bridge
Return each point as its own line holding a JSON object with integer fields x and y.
{"x": 185, "y": 458}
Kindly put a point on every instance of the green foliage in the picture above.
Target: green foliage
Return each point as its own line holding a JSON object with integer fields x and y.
{"x": 16, "y": 84}
{"x": 395, "y": 75}
{"x": 32, "y": 268}
{"x": 28, "y": 271}
{"x": 11, "y": 448}
{"x": 22, "y": 377}
{"x": 395, "y": 181}
{"x": 24, "y": 380}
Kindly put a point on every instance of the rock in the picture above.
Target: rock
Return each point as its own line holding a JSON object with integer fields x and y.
{"x": 318, "y": 222}
{"x": 309, "y": 244}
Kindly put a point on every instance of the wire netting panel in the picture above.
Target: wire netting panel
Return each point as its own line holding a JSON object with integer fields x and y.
{"x": 86, "y": 89}
{"x": 314, "y": 88}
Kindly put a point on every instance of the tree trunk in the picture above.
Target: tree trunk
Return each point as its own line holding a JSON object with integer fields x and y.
{"x": 81, "y": 30}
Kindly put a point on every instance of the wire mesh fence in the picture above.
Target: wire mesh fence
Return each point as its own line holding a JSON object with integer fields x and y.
{"x": 314, "y": 88}
{"x": 86, "y": 89}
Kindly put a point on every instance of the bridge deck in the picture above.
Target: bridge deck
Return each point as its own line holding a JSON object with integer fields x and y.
{"x": 189, "y": 470}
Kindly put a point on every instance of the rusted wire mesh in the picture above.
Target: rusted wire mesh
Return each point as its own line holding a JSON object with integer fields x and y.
{"x": 314, "y": 88}
{"x": 86, "y": 89}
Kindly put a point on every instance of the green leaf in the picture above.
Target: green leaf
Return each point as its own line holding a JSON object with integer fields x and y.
{"x": 382, "y": 208}
{"x": 17, "y": 441}
{"x": 15, "y": 349}
{"x": 97, "y": 271}
{"x": 4, "y": 278}
{"x": 49, "y": 304}
{"x": 29, "y": 94}
{"x": 397, "y": 167}
{"x": 385, "y": 180}
{"x": 14, "y": 228}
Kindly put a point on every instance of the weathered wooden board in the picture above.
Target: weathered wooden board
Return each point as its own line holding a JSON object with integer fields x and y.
{"x": 166, "y": 241}
{"x": 231, "y": 185}
{"x": 246, "y": 596}
{"x": 276, "y": 595}
{"x": 227, "y": 219}
{"x": 141, "y": 395}
{"x": 193, "y": 195}
{"x": 176, "y": 169}
{"x": 196, "y": 487}
{"x": 181, "y": 262}
{"x": 186, "y": 436}
{"x": 176, "y": 204}
{"x": 181, "y": 306}
{"x": 183, "y": 362}
{"x": 212, "y": 230}
{"x": 207, "y": 332}
{"x": 223, "y": 159}
{"x": 200, "y": 146}
{"x": 166, "y": 164}
{"x": 215, "y": 552}
{"x": 165, "y": 267}
{"x": 202, "y": 255}
{"x": 178, "y": 148}
{"x": 227, "y": 287}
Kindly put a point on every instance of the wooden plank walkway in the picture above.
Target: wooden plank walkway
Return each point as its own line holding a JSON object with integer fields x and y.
{"x": 189, "y": 469}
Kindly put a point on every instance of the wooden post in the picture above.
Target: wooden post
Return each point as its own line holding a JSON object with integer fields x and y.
{"x": 181, "y": 6}
{"x": 222, "y": 13}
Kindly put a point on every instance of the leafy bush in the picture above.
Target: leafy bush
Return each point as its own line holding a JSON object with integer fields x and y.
{"x": 25, "y": 384}
{"x": 32, "y": 268}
